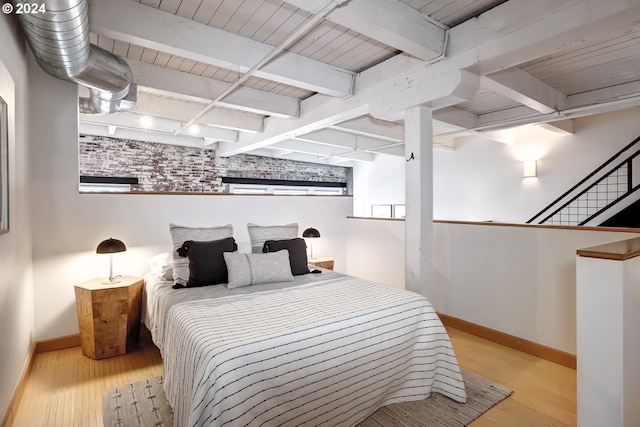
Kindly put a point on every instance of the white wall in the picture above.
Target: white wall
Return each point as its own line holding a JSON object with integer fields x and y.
{"x": 380, "y": 182}
{"x": 68, "y": 225}
{"x": 482, "y": 180}
{"x": 375, "y": 250}
{"x": 498, "y": 191}
{"x": 66, "y": 252}
{"x": 520, "y": 280}
{"x": 16, "y": 292}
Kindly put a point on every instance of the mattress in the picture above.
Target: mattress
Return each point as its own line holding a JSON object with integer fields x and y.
{"x": 324, "y": 350}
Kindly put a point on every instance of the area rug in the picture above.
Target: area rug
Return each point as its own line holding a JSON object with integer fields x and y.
{"x": 143, "y": 404}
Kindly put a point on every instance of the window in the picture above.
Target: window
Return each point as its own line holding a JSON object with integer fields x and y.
{"x": 104, "y": 188}
{"x": 106, "y": 184}
{"x": 284, "y": 187}
{"x": 285, "y": 190}
{"x": 399, "y": 211}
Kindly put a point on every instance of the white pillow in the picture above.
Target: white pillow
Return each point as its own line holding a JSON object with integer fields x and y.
{"x": 160, "y": 265}
{"x": 258, "y": 234}
{"x": 180, "y": 234}
{"x": 252, "y": 269}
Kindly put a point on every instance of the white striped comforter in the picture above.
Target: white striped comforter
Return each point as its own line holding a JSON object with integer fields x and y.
{"x": 324, "y": 354}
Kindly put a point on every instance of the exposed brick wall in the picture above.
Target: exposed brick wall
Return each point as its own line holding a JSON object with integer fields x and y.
{"x": 170, "y": 168}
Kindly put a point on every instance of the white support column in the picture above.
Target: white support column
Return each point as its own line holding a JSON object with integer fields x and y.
{"x": 419, "y": 199}
{"x": 608, "y": 334}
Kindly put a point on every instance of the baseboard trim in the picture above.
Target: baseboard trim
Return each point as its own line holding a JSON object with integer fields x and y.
{"x": 37, "y": 347}
{"x": 530, "y": 347}
{"x": 59, "y": 343}
{"x": 69, "y": 341}
{"x": 7, "y": 420}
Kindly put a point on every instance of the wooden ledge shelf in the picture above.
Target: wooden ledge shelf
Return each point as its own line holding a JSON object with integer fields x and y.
{"x": 620, "y": 251}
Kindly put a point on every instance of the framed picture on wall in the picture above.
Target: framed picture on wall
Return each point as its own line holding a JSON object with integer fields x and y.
{"x": 381, "y": 211}
{"x": 4, "y": 167}
{"x": 399, "y": 211}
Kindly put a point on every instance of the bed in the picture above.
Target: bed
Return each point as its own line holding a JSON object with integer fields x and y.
{"x": 323, "y": 349}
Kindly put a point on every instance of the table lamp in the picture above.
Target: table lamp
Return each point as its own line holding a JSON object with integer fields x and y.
{"x": 311, "y": 233}
{"x": 111, "y": 246}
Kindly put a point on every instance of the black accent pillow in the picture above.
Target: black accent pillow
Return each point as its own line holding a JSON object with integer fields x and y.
{"x": 206, "y": 261}
{"x": 297, "y": 253}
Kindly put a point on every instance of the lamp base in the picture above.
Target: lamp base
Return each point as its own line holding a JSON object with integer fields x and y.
{"x": 113, "y": 280}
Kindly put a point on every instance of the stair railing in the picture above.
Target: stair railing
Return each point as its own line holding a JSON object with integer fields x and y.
{"x": 601, "y": 195}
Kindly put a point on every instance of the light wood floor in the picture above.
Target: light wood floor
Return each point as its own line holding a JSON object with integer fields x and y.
{"x": 65, "y": 388}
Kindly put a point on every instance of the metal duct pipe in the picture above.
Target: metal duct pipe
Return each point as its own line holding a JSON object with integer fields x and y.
{"x": 59, "y": 40}
{"x": 85, "y": 105}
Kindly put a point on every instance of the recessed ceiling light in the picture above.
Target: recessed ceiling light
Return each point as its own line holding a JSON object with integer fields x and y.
{"x": 146, "y": 121}
{"x": 194, "y": 129}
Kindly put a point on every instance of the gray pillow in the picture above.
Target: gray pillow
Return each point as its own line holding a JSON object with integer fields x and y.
{"x": 252, "y": 269}
{"x": 258, "y": 234}
{"x": 180, "y": 234}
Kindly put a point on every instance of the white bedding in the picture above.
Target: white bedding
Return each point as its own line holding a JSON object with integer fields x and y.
{"x": 329, "y": 350}
{"x": 159, "y": 296}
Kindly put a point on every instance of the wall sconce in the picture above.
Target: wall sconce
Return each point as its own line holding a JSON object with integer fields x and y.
{"x": 311, "y": 233}
{"x": 111, "y": 246}
{"x": 530, "y": 168}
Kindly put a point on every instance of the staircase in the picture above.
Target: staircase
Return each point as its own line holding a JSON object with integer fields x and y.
{"x": 607, "y": 196}
{"x": 628, "y": 217}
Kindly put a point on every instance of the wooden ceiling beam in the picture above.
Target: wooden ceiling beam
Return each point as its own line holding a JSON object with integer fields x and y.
{"x": 522, "y": 87}
{"x": 336, "y": 138}
{"x": 304, "y": 125}
{"x": 183, "y": 111}
{"x": 131, "y": 120}
{"x": 274, "y": 151}
{"x": 374, "y": 128}
{"x": 519, "y": 31}
{"x": 325, "y": 150}
{"x": 453, "y": 118}
{"x": 145, "y": 26}
{"x": 243, "y": 98}
{"x": 144, "y": 135}
{"x": 506, "y": 36}
{"x": 391, "y": 22}
{"x": 615, "y": 93}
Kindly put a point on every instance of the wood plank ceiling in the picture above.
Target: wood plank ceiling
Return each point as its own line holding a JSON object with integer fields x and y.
{"x": 337, "y": 93}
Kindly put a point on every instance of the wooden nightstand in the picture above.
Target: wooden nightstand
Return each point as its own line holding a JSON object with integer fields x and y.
{"x": 109, "y": 316}
{"x": 322, "y": 262}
